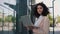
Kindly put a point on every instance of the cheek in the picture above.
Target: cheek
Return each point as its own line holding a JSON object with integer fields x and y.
{"x": 41, "y": 10}
{"x": 38, "y": 10}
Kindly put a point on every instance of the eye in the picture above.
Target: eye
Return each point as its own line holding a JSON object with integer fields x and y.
{"x": 41, "y": 8}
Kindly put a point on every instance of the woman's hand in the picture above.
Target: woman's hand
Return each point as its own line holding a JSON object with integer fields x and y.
{"x": 27, "y": 27}
{"x": 31, "y": 27}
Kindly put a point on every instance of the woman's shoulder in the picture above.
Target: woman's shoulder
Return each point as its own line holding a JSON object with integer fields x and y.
{"x": 46, "y": 17}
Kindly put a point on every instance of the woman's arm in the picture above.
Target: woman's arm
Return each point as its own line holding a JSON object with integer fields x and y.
{"x": 44, "y": 26}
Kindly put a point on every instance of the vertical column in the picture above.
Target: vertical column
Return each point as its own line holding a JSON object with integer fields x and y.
{"x": 21, "y": 9}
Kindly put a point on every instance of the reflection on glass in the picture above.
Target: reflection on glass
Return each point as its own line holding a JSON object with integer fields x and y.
{"x": 7, "y": 18}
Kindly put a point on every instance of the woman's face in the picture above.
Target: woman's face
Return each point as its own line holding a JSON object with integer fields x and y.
{"x": 39, "y": 9}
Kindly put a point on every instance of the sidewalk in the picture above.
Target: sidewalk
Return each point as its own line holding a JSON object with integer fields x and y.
{"x": 56, "y": 29}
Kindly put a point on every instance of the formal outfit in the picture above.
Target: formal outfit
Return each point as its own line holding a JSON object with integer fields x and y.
{"x": 43, "y": 23}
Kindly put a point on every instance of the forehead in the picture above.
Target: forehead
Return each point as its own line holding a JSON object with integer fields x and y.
{"x": 39, "y": 6}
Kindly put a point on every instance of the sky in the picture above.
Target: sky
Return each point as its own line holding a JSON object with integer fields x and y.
{"x": 7, "y": 11}
{"x": 47, "y": 2}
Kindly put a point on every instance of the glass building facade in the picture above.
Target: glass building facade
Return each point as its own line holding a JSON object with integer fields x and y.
{"x": 11, "y": 11}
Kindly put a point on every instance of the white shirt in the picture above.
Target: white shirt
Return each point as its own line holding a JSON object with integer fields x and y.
{"x": 38, "y": 21}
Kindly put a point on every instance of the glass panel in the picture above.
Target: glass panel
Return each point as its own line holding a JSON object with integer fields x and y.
{"x": 9, "y": 8}
{"x": 7, "y": 17}
{"x": 57, "y": 16}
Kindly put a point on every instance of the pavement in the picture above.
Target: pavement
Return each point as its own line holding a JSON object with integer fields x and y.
{"x": 56, "y": 29}
{"x": 8, "y": 30}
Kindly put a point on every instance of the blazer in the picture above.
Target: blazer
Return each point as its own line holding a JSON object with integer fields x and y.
{"x": 43, "y": 26}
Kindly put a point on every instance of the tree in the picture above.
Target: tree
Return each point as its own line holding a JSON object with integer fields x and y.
{"x": 0, "y": 19}
{"x": 51, "y": 20}
{"x": 13, "y": 19}
{"x": 58, "y": 19}
{"x": 8, "y": 18}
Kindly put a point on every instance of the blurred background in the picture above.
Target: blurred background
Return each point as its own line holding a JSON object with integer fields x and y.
{"x": 11, "y": 10}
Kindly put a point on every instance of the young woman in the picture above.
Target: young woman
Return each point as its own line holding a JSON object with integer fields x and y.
{"x": 41, "y": 24}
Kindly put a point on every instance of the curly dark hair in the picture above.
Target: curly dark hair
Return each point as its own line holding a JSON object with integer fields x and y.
{"x": 45, "y": 10}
